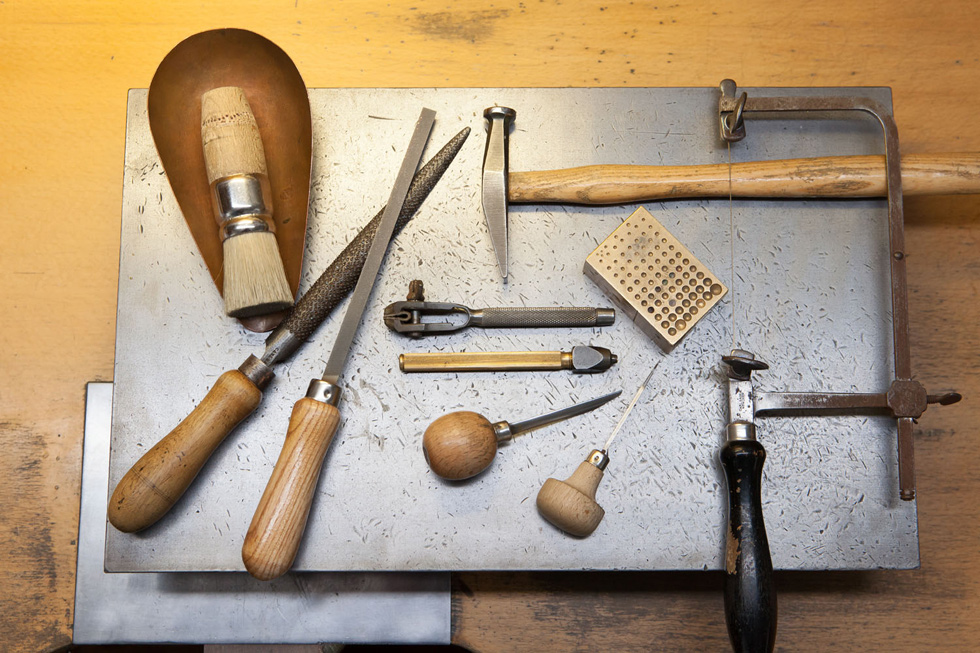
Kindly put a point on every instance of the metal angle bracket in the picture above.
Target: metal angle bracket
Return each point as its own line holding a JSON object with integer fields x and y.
{"x": 906, "y": 398}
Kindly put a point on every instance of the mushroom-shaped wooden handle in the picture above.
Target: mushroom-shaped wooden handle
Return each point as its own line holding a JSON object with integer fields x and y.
{"x": 459, "y": 445}
{"x": 570, "y": 504}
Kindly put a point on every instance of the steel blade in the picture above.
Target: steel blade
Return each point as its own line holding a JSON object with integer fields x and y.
{"x": 369, "y": 273}
{"x": 564, "y": 413}
{"x": 629, "y": 409}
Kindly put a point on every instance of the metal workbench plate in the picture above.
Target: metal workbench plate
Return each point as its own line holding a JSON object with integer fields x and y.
{"x": 811, "y": 297}
{"x": 206, "y": 608}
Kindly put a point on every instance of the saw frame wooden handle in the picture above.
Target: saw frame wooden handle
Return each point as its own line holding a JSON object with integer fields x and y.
{"x": 834, "y": 176}
{"x": 161, "y": 476}
{"x": 277, "y": 527}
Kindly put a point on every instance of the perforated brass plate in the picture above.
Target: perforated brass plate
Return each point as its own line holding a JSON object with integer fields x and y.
{"x": 654, "y": 279}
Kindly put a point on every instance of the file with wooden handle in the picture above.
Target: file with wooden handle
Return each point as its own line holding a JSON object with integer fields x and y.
{"x": 277, "y": 527}
{"x": 157, "y": 481}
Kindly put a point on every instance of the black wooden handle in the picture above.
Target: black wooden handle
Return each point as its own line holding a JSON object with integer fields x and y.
{"x": 750, "y": 596}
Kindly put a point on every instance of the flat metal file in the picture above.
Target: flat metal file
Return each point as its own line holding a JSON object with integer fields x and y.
{"x": 279, "y": 522}
{"x": 161, "y": 476}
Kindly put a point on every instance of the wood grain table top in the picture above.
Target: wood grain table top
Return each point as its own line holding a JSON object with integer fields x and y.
{"x": 65, "y": 67}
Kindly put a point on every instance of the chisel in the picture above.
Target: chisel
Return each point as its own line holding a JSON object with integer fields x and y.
{"x": 277, "y": 527}
{"x": 162, "y": 475}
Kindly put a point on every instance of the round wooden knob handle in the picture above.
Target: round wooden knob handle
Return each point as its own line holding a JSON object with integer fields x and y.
{"x": 570, "y": 504}
{"x": 459, "y": 445}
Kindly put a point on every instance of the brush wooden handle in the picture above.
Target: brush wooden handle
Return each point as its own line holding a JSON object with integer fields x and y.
{"x": 570, "y": 504}
{"x": 232, "y": 143}
{"x": 835, "y": 176}
{"x": 158, "y": 479}
{"x": 278, "y": 524}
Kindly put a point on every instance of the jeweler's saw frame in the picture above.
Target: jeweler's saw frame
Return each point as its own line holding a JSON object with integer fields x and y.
{"x": 905, "y": 398}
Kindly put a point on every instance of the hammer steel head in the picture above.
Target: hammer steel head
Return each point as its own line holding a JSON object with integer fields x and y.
{"x": 495, "y": 165}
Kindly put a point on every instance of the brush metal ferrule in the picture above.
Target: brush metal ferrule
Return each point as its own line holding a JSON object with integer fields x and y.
{"x": 240, "y": 204}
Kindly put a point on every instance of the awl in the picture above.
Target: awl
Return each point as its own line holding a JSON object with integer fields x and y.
{"x": 279, "y": 522}
{"x": 462, "y": 444}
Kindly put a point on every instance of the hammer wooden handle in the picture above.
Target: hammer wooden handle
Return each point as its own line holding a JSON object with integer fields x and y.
{"x": 279, "y": 522}
{"x": 835, "y": 176}
{"x": 160, "y": 477}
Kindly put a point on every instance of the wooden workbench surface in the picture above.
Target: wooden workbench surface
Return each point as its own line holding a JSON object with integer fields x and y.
{"x": 65, "y": 67}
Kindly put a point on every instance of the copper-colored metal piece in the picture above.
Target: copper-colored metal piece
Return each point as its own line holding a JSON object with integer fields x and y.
{"x": 278, "y": 97}
{"x": 654, "y": 278}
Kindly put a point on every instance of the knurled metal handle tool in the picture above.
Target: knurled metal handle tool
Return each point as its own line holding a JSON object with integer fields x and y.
{"x": 162, "y": 475}
{"x": 406, "y": 317}
{"x": 495, "y": 165}
{"x": 580, "y": 360}
{"x": 277, "y": 527}
{"x": 462, "y": 444}
{"x": 570, "y": 504}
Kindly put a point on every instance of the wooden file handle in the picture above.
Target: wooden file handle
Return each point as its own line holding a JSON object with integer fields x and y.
{"x": 835, "y": 176}
{"x": 278, "y": 524}
{"x": 160, "y": 477}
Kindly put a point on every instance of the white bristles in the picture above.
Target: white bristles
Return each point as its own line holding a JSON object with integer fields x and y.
{"x": 254, "y": 279}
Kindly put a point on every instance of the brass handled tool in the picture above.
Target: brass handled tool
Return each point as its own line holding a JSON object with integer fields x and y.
{"x": 570, "y": 504}
{"x": 254, "y": 280}
{"x": 829, "y": 176}
{"x": 277, "y": 527}
{"x": 580, "y": 360}
{"x": 460, "y": 445}
{"x": 161, "y": 476}
{"x": 407, "y": 317}
{"x": 495, "y": 165}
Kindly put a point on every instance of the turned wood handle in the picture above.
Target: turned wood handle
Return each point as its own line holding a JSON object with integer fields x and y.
{"x": 834, "y": 176}
{"x": 160, "y": 477}
{"x": 750, "y": 594}
{"x": 570, "y": 504}
{"x": 230, "y": 135}
{"x": 459, "y": 445}
{"x": 278, "y": 524}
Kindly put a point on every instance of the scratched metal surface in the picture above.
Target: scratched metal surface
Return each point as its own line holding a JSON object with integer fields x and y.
{"x": 123, "y": 608}
{"x": 810, "y": 296}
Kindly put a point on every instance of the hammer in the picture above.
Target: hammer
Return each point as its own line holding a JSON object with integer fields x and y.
{"x": 830, "y": 176}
